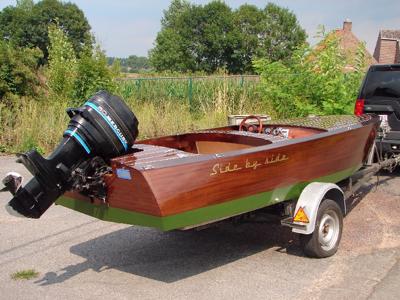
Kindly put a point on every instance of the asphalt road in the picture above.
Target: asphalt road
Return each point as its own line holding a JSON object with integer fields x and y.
{"x": 79, "y": 257}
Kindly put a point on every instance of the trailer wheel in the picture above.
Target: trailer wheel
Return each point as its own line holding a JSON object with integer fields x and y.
{"x": 325, "y": 239}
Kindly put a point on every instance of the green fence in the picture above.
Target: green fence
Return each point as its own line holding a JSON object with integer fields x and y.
{"x": 199, "y": 92}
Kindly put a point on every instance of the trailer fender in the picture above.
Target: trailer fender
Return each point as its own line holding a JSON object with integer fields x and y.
{"x": 310, "y": 200}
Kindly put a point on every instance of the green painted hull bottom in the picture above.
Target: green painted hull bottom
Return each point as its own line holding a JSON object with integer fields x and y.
{"x": 200, "y": 215}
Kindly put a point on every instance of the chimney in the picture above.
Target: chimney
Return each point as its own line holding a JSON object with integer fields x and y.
{"x": 347, "y": 24}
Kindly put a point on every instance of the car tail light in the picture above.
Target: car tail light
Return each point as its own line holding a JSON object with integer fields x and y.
{"x": 359, "y": 107}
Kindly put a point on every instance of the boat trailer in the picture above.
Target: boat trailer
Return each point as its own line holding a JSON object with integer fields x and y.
{"x": 317, "y": 215}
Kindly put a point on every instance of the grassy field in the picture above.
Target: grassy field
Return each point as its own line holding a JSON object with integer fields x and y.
{"x": 163, "y": 107}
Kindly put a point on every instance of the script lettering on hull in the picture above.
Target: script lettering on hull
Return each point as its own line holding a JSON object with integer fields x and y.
{"x": 221, "y": 168}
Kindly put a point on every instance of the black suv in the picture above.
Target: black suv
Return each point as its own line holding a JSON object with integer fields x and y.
{"x": 380, "y": 94}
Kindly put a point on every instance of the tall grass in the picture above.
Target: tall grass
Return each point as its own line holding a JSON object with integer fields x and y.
{"x": 39, "y": 123}
{"x": 200, "y": 93}
{"x": 32, "y": 124}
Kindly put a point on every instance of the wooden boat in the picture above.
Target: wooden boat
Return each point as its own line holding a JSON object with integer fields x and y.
{"x": 185, "y": 180}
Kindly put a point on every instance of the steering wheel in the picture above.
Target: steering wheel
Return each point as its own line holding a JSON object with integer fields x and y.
{"x": 250, "y": 127}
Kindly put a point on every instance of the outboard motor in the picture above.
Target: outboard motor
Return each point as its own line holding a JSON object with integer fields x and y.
{"x": 104, "y": 126}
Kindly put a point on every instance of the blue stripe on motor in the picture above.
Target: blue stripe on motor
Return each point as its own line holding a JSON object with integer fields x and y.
{"x": 108, "y": 122}
{"x": 79, "y": 139}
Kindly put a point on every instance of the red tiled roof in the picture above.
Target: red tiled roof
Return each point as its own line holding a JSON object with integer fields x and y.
{"x": 350, "y": 43}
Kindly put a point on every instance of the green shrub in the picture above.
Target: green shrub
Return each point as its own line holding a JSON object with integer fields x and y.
{"x": 74, "y": 79}
{"x": 314, "y": 81}
{"x": 18, "y": 70}
{"x": 93, "y": 75}
{"x": 62, "y": 68}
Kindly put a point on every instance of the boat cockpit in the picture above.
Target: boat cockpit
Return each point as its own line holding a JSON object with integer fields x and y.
{"x": 235, "y": 137}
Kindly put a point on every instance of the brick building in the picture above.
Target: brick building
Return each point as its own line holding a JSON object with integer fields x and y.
{"x": 350, "y": 44}
{"x": 387, "y": 47}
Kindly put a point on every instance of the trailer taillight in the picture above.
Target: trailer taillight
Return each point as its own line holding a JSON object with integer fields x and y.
{"x": 359, "y": 107}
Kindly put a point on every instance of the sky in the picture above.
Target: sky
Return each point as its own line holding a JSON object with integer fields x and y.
{"x": 127, "y": 27}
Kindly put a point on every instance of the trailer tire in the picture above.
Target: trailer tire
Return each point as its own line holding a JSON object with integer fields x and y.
{"x": 325, "y": 239}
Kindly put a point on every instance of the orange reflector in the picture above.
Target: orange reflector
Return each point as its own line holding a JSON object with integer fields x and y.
{"x": 301, "y": 216}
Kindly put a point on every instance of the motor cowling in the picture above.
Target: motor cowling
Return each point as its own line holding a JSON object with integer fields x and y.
{"x": 104, "y": 126}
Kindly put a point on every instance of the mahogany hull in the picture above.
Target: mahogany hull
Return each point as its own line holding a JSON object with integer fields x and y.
{"x": 187, "y": 191}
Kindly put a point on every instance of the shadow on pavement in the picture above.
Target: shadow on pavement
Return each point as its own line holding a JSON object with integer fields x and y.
{"x": 172, "y": 256}
{"x": 376, "y": 183}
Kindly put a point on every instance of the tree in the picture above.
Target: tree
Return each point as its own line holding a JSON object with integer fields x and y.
{"x": 194, "y": 38}
{"x": 280, "y": 33}
{"x": 174, "y": 45}
{"x": 26, "y": 25}
{"x": 137, "y": 63}
{"x": 248, "y": 24}
{"x": 132, "y": 64}
{"x": 214, "y": 36}
{"x": 211, "y": 37}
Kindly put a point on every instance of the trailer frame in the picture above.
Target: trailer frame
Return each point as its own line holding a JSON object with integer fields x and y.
{"x": 311, "y": 209}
